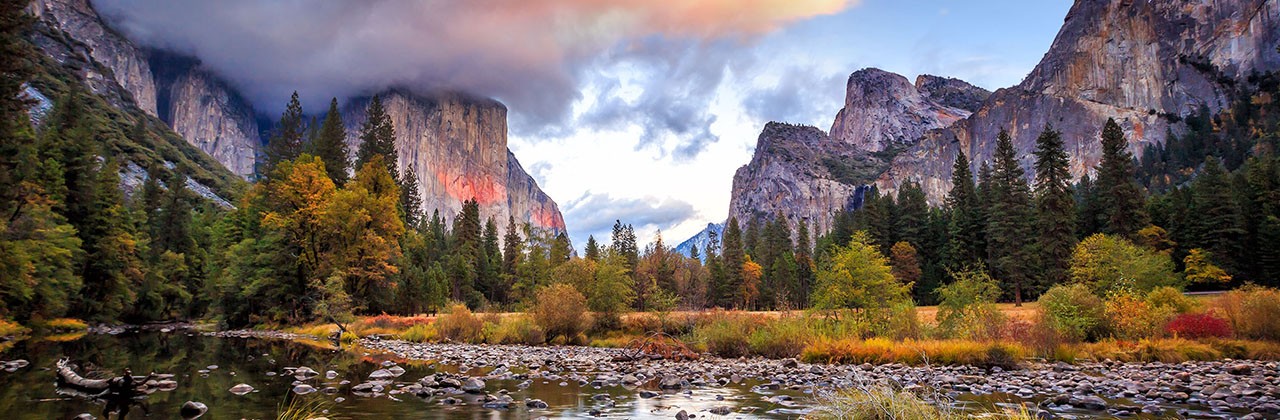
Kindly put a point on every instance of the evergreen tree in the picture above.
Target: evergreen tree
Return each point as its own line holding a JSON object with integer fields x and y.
{"x": 624, "y": 245}
{"x": 804, "y": 266}
{"x": 727, "y": 292}
{"x": 964, "y": 232}
{"x": 1219, "y": 223}
{"x": 715, "y": 268}
{"x": 1121, "y": 198}
{"x": 1055, "y": 208}
{"x": 410, "y": 198}
{"x": 286, "y": 144}
{"x": 561, "y": 249}
{"x": 913, "y": 214}
{"x": 16, "y": 142}
{"x": 1009, "y": 224}
{"x": 377, "y": 137}
{"x": 331, "y": 145}
{"x": 512, "y": 249}
{"x": 112, "y": 267}
{"x": 593, "y": 249}
{"x": 489, "y": 281}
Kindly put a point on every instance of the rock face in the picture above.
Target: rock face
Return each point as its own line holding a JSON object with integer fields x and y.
{"x": 883, "y": 110}
{"x": 126, "y": 63}
{"x": 803, "y": 174}
{"x": 207, "y": 112}
{"x": 193, "y": 102}
{"x": 457, "y": 147}
{"x": 791, "y": 173}
{"x": 1140, "y": 62}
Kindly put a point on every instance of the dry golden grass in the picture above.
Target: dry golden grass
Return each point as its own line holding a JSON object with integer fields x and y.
{"x": 1026, "y": 312}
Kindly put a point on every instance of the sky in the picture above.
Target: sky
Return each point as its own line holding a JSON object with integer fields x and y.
{"x": 638, "y": 111}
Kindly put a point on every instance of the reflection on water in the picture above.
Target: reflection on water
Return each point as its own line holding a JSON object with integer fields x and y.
{"x": 206, "y": 368}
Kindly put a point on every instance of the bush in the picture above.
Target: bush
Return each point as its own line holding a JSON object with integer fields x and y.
{"x": 460, "y": 325}
{"x": 966, "y": 307}
{"x": 515, "y": 330}
{"x": 12, "y": 329}
{"x": 725, "y": 337}
{"x": 1195, "y": 326}
{"x": 944, "y": 352}
{"x": 63, "y": 325}
{"x": 1131, "y": 318}
{"x": 420, "y": 333}
{"x": 1169, "y": 297}
{"x": 1107, "y": 263}
{"x": 1167, "y": 350}
{"x": 1073, "y": 312}
{"x": 780, "y": 338}
{"x": 561, "y": 311}
{"x": 1253, "y": 311}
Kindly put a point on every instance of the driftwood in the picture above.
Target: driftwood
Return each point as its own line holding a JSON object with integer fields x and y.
{"x": 118, "y": 393}
{"x": 657, "y": 345}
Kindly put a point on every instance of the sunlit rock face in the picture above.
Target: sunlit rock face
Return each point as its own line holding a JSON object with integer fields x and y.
{"x": 457, "y": 147}
{"x": 1140, "y": 62}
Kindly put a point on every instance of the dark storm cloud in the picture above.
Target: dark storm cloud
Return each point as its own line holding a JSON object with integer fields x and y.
{"x": 531, "y": 54}
{"x": 595, "y": 214}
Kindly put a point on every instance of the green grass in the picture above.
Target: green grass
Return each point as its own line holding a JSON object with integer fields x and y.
{"x": 883, "y": 403}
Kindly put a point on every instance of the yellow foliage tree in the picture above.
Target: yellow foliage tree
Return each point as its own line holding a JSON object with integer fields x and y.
{"x": 1200, "y": 270}
{"x": 751, "y": 274}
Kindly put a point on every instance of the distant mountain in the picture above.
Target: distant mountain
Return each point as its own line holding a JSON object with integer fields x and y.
{"x": 700, "y": 240}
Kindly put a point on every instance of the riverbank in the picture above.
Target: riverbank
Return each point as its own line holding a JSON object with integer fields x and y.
{"x": 1227, "y": 387}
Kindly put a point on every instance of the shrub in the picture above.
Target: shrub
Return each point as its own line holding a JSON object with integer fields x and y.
{"x": 1246, "y": 349}
{"x": 63, "y": 325}
{"x": 515, "y": 330}
{"x": 1131, "y": 318}
{"x": 780, "y": 338}
{"x": 1106, "y": 263}
{"x": 1169, "y": 297}
{"x": 945, "y": 352}
{"x": 1201, "y": 325}
{"x": 348, "y": 338}
{"x": 12, "y": 329}
{"x": 1072, "y": 311}
{"x": 460, "y": 325}
{"x": 1253, "y": 311}
{"x": 966, "y": 307}
{"x": 1167, "y": 350}
{"x": 561, "y": 311}
{"x": 725, "y": 337}
{"x": 420, "y": 333}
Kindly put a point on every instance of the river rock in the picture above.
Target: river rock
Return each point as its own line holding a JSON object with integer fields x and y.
{"x": 303, "y": 389}
{"x": 330, "y": 375}
{"x": 192, "y": 409}
{"x": 1088, "y": 402}
{"x": 381, "y": 374}
{"x": 671, "y": 382}
{"x": 535, "y": 403}
{"x": 241, "y": 389}
{"x": 720, "y": 411}
{"x": 473, "y": 385}
{"x": 682, "y": 415}
{"x": 1239, "y": 369}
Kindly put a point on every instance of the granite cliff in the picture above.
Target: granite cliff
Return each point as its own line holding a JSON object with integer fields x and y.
{"x": 456, "y": 145}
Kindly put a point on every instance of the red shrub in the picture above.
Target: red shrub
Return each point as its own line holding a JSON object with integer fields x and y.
{"x": 1202, "y": 325}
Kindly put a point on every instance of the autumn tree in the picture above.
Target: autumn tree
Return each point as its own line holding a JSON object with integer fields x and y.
{"x": 857, "y": 277}
{"x": 906, "y": 263}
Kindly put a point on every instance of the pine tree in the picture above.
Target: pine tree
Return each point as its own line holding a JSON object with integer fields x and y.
{"x": 593, "y": 249}
{"x": 1009, "y": 224}
{"x": 16, "y": 143}
{"x": 1122, "y": 201}
{"x": 913, "y": 214}
{"x": 512, "y": 249}
{"x": 733, "y": 257}
{"x": 377, "y": 137}
{"x": 561, "y": 249}
{"x": 623, "y": 243}
{"x": 286, "y": 144}
{"x": 715, "y": 268}
{"x": 804, "y": 266}
{"x": 1219, "y": 223}
{"x": 331, "y": 145}
{"x": 962, "y": 202}
{"x": 1055, "y": 208}
{"x": 410, "y": 198}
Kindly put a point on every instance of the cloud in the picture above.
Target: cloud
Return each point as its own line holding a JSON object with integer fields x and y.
{"x": 802, "y": 95}
{"x": 531, "y": 54}
{"x": 595, "y": 214}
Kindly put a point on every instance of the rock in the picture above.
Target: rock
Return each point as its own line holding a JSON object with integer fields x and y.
{"x": 535, "y": 404}
{"x": 85, "y": 416}
{"x": 1088, "y": 402}
{"x": 241, "y": 389}
{"x": 682, "y": 415}
{"x": 1239, "y": 369}
{"x": 671, "y": 382}
{"x": 720, "y": 411}
{"x": 303, "y": 389}
{"x": 790, "y": 363}
{"x": 396, "y": 370}
{"x": 329, "y": 374}
{"x": 192, "y": 409}
{"x": 473, "y": 385}
{"x": 648, "y": 394}
{"x": 381, "y": 374}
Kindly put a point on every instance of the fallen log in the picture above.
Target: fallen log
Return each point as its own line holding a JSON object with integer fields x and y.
{"x": 125, "y": 385}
